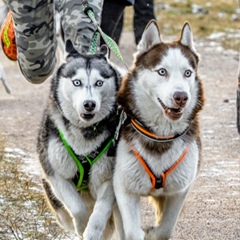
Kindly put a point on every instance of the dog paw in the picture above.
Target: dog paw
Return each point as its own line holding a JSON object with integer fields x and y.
{"x": 154, "y": 233}
{"x": 148, "y": 233}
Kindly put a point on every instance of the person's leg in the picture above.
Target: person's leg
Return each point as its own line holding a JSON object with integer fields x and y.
{"x": 111, "y": 14}
{"x": 77, "y": 26}
{"x": 143, "y": 13}
{"x": 118, "y": 30}
{"x": 35, "y": 37}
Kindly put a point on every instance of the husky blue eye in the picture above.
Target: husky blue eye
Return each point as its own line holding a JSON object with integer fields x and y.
{"x": 162, "y": 72}
{"x": 188, "y": 73}
{"x": 99, "y": 83}
{"x": 77, "y": 83}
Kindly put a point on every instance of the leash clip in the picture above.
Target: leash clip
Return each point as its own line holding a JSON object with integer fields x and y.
{"x": 122, "y": 118}
{"x": 86, "y": 7}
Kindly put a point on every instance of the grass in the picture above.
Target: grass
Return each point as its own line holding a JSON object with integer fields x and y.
{"x": 24, "y": 214}
{"x": 220, "y": 16}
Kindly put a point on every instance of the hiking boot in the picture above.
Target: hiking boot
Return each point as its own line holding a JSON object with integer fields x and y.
{"x": 7, "y": 35}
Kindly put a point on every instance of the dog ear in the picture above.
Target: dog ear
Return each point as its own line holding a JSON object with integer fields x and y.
{"x": 150, "y": 37}
{"x": 69, "y": 48}
{"x": 72, "y": 52}
{"x": 104, "y": 50}
{"x": 186, "y": 38}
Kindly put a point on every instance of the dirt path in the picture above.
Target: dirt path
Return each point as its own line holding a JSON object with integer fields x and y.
{"x": 212, "y": 210}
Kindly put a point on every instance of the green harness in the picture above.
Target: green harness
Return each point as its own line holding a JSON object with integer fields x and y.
{"x": 84, "y": 163}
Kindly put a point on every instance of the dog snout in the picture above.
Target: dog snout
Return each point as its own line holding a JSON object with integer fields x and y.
{"x": 89, "y": 105}
{"x": 180, "y": 99}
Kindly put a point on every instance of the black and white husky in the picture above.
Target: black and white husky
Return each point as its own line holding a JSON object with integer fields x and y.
{"x": 75, "y": 144}
{"x": 159, "y": 148}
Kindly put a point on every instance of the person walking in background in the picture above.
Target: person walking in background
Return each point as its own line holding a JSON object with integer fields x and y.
{"x": 33, "y": 24}
{"x": 33, "y": 28}
{"x": 143, "y": 13}
{"x": 112, "y": 13}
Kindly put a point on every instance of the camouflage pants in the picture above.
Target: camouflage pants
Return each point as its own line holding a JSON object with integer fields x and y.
{"x": 36, "y": 37}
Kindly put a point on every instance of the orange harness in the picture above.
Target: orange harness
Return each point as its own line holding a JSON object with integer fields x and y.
{"x": 157, "y": 182}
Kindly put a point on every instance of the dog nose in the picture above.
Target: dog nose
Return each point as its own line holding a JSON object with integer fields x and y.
{"x": 89, "y": 105}
{"x": 180, "y": 98}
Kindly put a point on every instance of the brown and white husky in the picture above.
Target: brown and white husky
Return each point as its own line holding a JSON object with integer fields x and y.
{"x": 159, "y": 149}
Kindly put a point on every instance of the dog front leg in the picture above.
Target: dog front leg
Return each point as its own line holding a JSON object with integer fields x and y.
{"x": 66, "y": 192}
{"x": 170, "y": 208}
{"x": 101, "y": 212}
{"x": 129, "y": 206}
{"x": 118, "y": 224}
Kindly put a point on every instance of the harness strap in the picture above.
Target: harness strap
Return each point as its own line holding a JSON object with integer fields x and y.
{"x": 157, "y": 138}
{"x": 84, "y": 163}
{"x": 74, "y": 157}
{"x": 159, "y": 182}
{"x": 166, "y": 173}
{"x": 146, "y": 167}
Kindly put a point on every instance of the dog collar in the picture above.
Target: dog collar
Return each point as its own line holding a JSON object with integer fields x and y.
{"x": 159, "y": 181}
{"x": 151, "y": 136}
